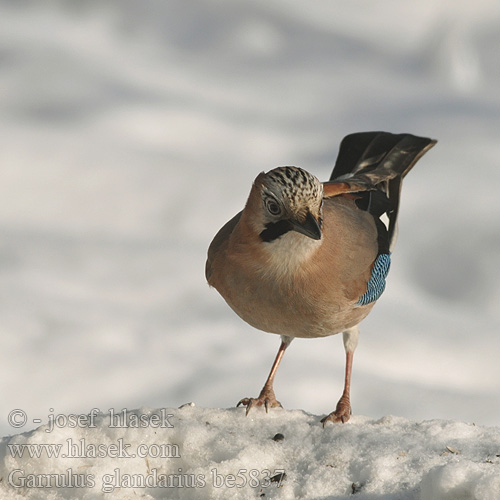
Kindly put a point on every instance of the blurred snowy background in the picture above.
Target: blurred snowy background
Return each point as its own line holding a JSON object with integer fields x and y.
{"x": 131, "y": 130}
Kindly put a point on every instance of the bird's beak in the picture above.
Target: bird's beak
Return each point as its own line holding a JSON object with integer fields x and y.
{"x": 311, "y": 226}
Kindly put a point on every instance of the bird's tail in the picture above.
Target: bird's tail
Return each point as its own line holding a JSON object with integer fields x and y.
{"x": 377, "y": 162}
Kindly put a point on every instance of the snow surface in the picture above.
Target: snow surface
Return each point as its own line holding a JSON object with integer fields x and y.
{"x": 131, "y": 131}
{"x": 210, "y": 453}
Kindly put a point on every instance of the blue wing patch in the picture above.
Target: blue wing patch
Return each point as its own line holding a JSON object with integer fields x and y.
{"x": 376, "y": 285}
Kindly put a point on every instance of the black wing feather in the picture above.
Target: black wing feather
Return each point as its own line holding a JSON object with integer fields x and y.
{"x": 379, "y": 155}
{"x": 378, "y": 161}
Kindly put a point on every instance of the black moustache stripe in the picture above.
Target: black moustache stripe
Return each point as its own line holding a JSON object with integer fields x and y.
{"x": 275, "y": 229}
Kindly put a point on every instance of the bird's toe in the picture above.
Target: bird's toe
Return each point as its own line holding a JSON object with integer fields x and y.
{"x": 342, "y": 413}
{"x": 266, "y": 399}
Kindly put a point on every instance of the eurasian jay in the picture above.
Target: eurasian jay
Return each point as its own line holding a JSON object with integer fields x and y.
{"x": 309, "y": 259}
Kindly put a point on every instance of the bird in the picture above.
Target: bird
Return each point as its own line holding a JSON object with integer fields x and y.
{"x": 309, "y": 259}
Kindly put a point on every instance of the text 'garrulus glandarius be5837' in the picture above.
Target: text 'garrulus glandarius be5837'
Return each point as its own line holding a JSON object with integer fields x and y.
{"x": 309, "y": 259}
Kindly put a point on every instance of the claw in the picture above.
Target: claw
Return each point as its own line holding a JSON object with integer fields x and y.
{"x": 342, "y": 413}
{"x": 248, "y": 402}
{"x": 333, "y": 417}
{"x": 265, "y": 399}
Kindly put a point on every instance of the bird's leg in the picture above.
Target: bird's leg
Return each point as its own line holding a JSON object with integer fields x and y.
{"x": 267, "y": 396}
{"x": 343, "y": 411}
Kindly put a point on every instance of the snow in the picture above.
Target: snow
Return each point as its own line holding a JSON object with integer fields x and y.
{"x": 132, "y": 130}
{"x": 219, "y": 453}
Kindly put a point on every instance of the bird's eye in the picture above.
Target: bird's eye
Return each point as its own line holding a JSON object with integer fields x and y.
{"x": 272, "y": 207}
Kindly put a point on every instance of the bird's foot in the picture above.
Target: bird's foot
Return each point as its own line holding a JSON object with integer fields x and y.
{"x": 341, "y": 414}
{"x": 266, "y": 398}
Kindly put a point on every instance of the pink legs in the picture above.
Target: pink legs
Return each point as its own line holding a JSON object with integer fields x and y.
{"x": 343, "y": 411}
{"x": 267, "y": 396}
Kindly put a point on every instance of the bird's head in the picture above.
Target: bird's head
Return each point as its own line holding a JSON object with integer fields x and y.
{"x": 286, "y": 199}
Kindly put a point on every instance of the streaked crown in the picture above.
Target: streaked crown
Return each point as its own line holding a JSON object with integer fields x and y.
{"x": 294, "y": 190}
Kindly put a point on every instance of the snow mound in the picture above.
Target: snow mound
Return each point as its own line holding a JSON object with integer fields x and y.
{"x": 219, "y": 453}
